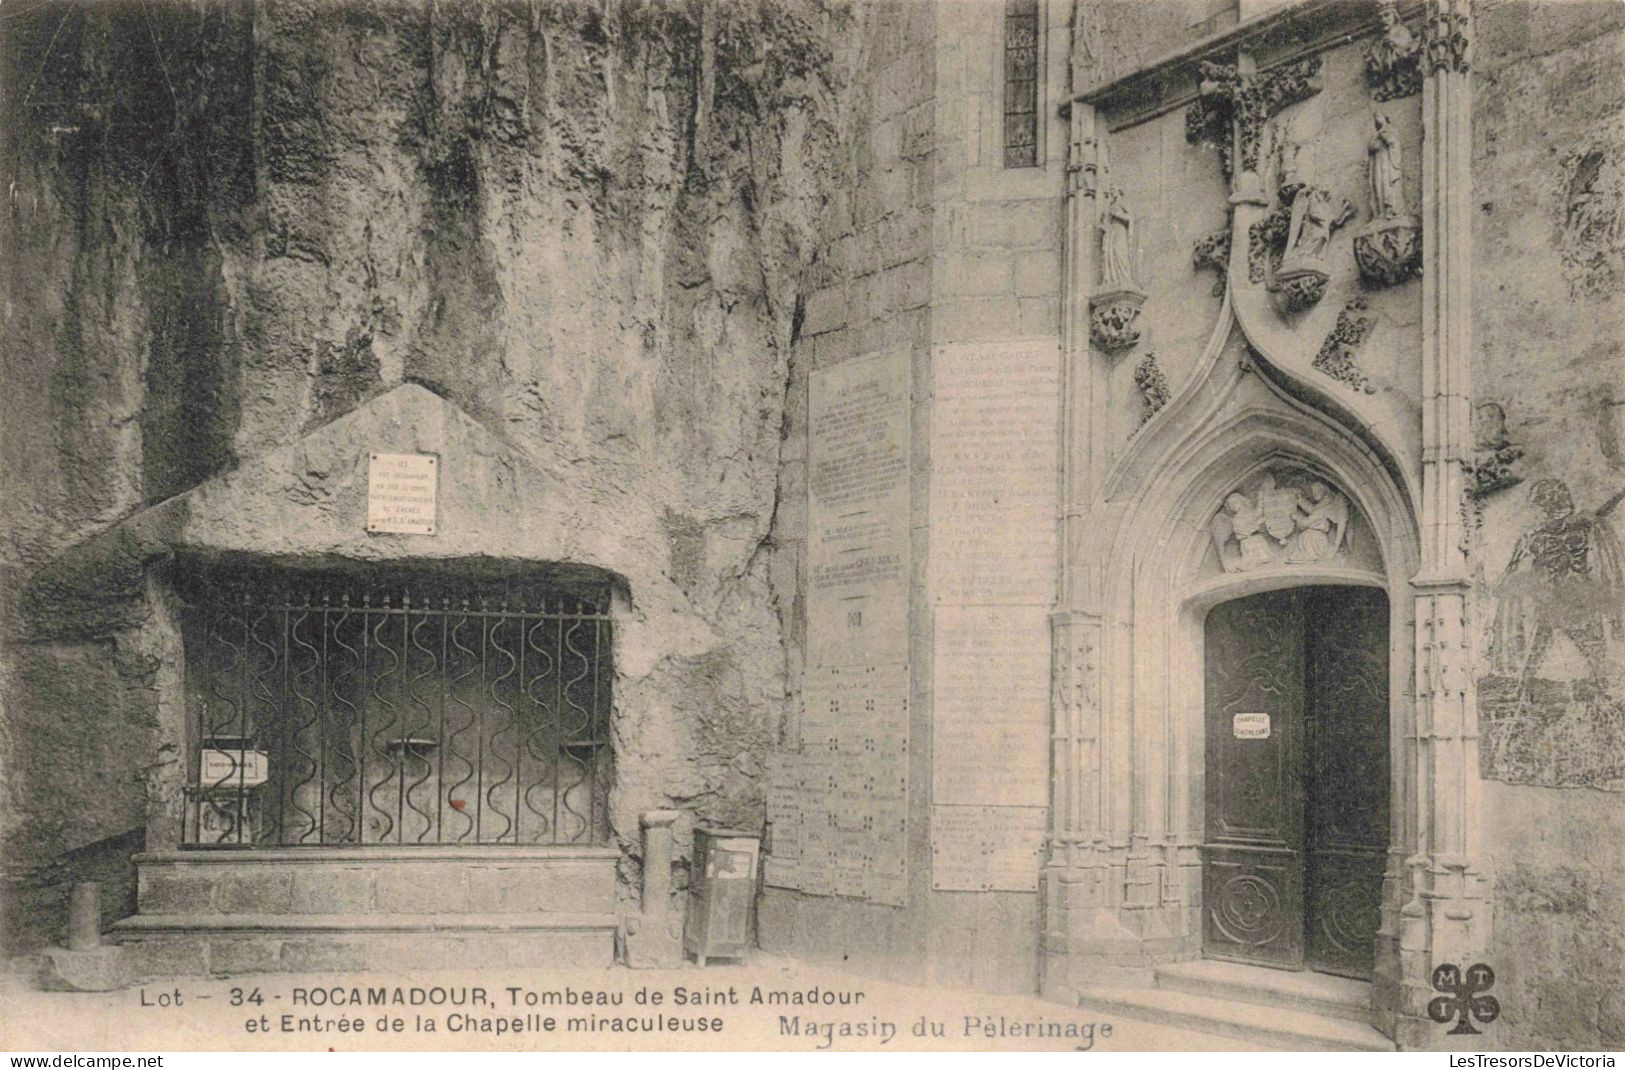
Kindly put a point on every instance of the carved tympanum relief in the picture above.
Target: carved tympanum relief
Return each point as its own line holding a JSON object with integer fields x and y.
{"x": 1281, "y": 518}
{"x": 1114, "y": 307}
{"x": 1389, "y": 248}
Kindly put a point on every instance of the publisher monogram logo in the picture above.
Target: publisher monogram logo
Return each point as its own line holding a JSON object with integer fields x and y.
{"x": 1464, "y": 997}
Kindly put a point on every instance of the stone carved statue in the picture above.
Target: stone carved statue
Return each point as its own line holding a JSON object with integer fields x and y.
{"x": 1386, "y": 172}
{"x": 1392, "y": 67}
{"x": 1280, "y": 525}
{"x": 1304, "y": 271}
{"x": 1114, "y": 306}
{"x": 1389, "y": 248}
{"x": 1313, "y": 216}
{"x": 1322, "y": 523}
{"x": 1116, "y": 243}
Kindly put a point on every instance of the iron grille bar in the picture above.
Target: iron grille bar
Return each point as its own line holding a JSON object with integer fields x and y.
{"x": 358, "y": 713}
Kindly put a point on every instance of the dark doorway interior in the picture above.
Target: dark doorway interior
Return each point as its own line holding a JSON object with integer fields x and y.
{"x": 1297, "y": 778}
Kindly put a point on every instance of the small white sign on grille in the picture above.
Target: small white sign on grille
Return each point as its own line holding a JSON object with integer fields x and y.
{"x": 234, "y": 768}
{"x": 401, "y": 493}
{"x": 1250, "y": 725}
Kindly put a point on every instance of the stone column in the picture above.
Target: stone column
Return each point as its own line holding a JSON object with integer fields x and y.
{"x": 1082, "y": 936}
{"x": 654, "y": 938}
{"x": 1445, "y": 917}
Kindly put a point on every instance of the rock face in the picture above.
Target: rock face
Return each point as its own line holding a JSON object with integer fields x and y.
{"x": 585, "y": 226}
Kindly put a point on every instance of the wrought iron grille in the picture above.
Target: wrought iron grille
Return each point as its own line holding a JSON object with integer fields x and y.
{"x": 331, "y": 711}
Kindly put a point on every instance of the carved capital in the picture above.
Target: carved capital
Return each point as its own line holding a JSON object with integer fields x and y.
{"x": 1494, "y": 454}
{"x": 1446, "y": 43}
{"x": 1234, "y": 106}
{"x": 1389, "y": 251}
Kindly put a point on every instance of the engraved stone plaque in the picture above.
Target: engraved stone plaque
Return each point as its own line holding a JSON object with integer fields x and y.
{"x": 994, "y": 473}
{"x": 991, "y": 717}
{"x": 401, "y": 490}
{"x": 986, "y": 848}
{"x": 858, "y": 491}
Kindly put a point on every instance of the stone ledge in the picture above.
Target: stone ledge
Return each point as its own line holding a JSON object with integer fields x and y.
{"x": 138, "y": 926}
{"x": 283, "y": 855}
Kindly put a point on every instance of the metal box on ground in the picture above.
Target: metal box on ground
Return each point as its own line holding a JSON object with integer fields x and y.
{"x": 721, "y": 894}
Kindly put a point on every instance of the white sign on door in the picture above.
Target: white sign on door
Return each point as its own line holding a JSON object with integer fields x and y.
{"x": 1250, "y": 725}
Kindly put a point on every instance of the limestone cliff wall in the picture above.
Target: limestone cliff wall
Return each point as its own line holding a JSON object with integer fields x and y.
{"x": 587, "y": 225}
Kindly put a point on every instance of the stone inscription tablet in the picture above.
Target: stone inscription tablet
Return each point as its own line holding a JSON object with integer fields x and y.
{"x": 401, "y": 493}
{"x": 838, "y": 807}
{"x": 986, "y": 848}
{"x": 858, "y": 508}
{"x": 991, "y": 717}
{"x": 995, "y": 473}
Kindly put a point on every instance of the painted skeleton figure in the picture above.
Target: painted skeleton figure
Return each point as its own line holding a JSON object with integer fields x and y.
{"x": 1565, "y": 576}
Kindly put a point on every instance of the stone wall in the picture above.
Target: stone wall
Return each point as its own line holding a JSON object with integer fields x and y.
{"x": 1549, "y": 378}
{"x": 585, "y": 225}
{"x": 868, "y": 292}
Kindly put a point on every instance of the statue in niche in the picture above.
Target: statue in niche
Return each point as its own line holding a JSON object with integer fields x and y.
{"x": 1386, "y": 173}
{"x": 1114, "y": 316}
{"x": 1565, "y": 576}
{"x": 1280, "y": 524}
{"x": 1302, "y": 277}
{"x": 1389, "y": 248}
{"x": 1116, "y": 243}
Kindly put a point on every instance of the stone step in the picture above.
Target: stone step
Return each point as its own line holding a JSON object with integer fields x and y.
{"x": 171, "y": 945}
{"x": 1297, "y": 990}
{"x": 1287, "y": 1030}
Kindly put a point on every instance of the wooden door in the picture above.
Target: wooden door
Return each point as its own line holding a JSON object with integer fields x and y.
{"x": 1252, "y": 864}
{"x": 1346, "y": 822}
{"x": 1297, "y": 778}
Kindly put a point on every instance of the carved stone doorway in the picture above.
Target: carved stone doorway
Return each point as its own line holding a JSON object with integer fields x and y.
{"x": 1297, "y": 778}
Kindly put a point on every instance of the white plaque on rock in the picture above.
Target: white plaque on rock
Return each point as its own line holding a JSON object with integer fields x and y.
{"x": 858, "y": 508}
{"x": 401, "y": 490}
